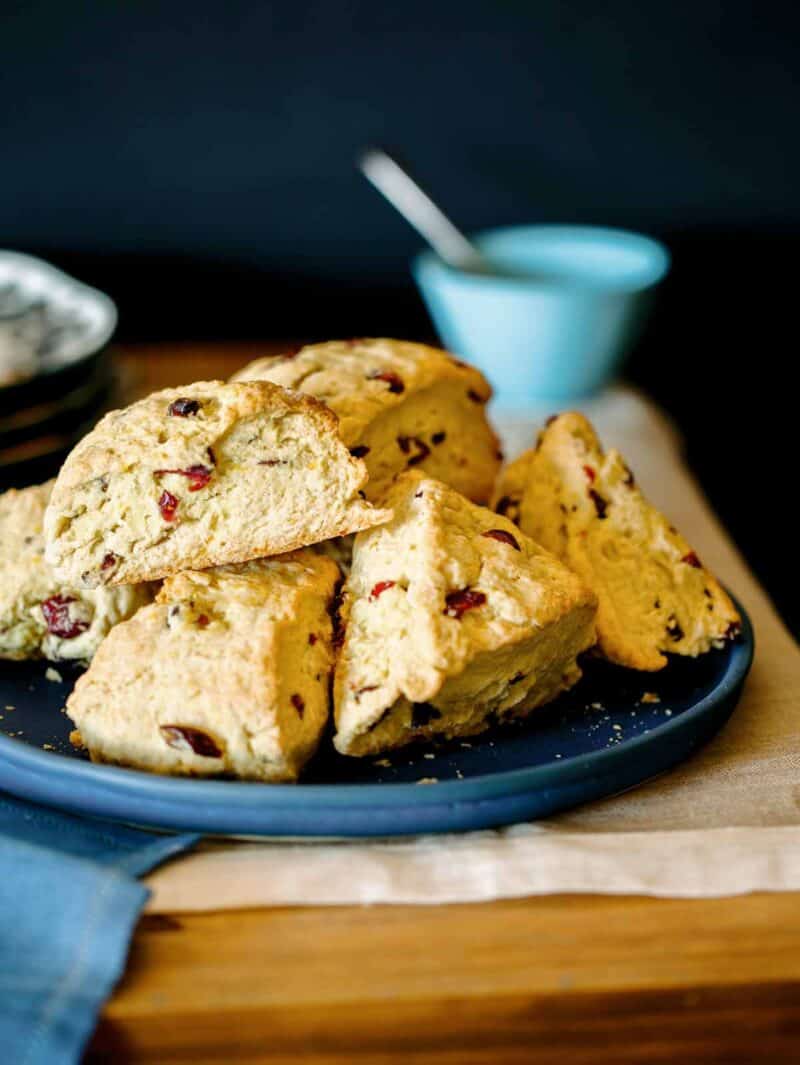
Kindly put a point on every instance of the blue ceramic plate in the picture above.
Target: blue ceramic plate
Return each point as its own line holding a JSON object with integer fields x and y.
{"x": 599, "y": 739}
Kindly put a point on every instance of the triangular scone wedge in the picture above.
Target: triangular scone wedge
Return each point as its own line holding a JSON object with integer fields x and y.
{"x": 453, "y": 620}
{"x": 400, "y": 405}
{"x": 654, "y": 596}
{"x": 201, "y": 476}
{"x": 41, "y": 616}
{"x": 227, "y": 672}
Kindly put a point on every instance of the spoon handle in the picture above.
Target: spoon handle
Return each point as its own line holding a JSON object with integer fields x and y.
{"x": 414, "y": 204}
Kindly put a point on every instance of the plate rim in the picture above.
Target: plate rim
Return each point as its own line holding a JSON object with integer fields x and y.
{"x": 17, "y": 392}
{"x": 237, "y": 793}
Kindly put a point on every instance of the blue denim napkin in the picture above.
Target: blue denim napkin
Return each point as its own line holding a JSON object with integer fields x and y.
{"x": 69, "y": 901}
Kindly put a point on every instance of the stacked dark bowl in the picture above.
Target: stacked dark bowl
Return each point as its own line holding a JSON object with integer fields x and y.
{"x": 56, "y": 376}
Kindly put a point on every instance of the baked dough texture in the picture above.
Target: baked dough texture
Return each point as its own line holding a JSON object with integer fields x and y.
{"x": 582, "y": 503}
{"x": 227, "y": 672}
{"x": 40, "y": 615}
{"x": 453, "y": 621}
{"x": 400, "y": 405}
{"x": 200, "y": 476}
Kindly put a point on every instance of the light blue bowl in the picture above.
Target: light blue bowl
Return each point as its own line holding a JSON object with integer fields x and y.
{"x": 560, "y": 333}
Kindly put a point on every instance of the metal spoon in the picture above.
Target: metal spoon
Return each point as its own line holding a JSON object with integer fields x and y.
{"x": 416, "y": 206}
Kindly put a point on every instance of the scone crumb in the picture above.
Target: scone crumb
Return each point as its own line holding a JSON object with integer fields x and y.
{"x": 650, "y": 697}
{"x": 384, "y": 763}
{"x": 428, "y": 755}
{"x": 53, "y": 675}
{"x": 76, "y": 739}
{"x": 428, "y": 780}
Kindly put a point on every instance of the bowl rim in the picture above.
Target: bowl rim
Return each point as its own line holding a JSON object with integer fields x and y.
{"x": 426, "y": 263}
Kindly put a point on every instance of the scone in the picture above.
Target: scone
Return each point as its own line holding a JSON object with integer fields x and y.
{"x": 453, "y": 620}
{"x": 654, "y": 595}
{"x": 400, "y": 405}
{"x": 41, "y": 616}
{"x": 200, "y": 476}
{"x": 227, "y": 672}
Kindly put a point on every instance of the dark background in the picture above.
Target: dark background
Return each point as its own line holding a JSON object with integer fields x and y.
{"x": 196, "y": 161}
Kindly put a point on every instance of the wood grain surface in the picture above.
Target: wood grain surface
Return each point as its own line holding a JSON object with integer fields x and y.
{"x": 568, "y": 980}
{"x": 594, "y": 980}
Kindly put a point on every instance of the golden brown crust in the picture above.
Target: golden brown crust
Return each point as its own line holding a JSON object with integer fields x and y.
{"x": 453, "y": 619}
{"x": 400, "y": 405}
{"x": 246, "y": 470}
{"x": 40, "y": 615}
{"x": 655, "y": 597}
{"x": 227, "y": 672}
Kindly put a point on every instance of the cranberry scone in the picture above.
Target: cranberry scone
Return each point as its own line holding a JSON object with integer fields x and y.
{"x": 453, "y": 620}
{"x": 201, "y": 476}
{"x": 40, "y": 615}
{"x": 227, "y": 672}
{"x": 400, "y": 406}
{"x": 582, "y": 503}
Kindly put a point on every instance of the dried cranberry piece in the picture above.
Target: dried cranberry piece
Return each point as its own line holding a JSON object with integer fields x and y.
{"x": 393, "y": 380}
{"x": 298, "y": 704}
{"x": 691, "y": 559}
{"x": 422, "y": 714}
{"x": 312, "y": 638}
{"x": 367, "y": 688}
{"x": 359, "y": 451}
{"x": 273, "y": 462}
{"x": 422, "y": 449}
{"x": 198, "y": 476}
{"x": 733, "y": 630}
{"x": 380, "y": 588}
{"x": 474, "y": 396}
{"x": 674, "y": 631}
{"x": 439, "y": 438}
{"x": 108, "y": 561}
{"x": 590, "y": 473}
{"x": 502, "y": 537}
{"x": 203, "y": 620}
{"x": 168, "y": 505}
{"x": 508, "y": 507}
{"x": 600, "y": 504}
{"x": 459, "y": 602}
{"x": 182, "y": 736}
{"x": 58, "y": 620}
{"x": 182, "y": 408}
